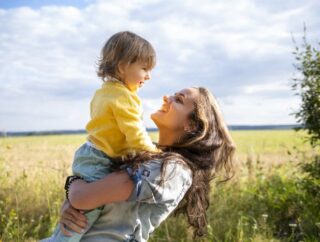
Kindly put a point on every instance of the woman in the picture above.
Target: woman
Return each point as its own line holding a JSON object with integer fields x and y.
{"x": 196, "y": 145}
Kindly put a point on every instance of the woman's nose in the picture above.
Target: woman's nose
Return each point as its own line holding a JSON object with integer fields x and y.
{"x": 167, "y": 99}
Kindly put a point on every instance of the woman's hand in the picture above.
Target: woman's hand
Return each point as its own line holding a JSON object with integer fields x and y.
{"x": 74, "y": 219}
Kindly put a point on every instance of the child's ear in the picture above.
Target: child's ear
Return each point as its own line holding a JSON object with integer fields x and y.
{"x": 121, "y": 67}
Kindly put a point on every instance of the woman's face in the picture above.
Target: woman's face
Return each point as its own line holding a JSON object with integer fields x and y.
{"x": 173, "y": 114}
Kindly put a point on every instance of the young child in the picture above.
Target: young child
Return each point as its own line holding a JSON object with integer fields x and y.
{"x": 115, "y": 129}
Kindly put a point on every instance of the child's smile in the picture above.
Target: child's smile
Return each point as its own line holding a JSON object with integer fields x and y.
{"x": 134, "y": 75}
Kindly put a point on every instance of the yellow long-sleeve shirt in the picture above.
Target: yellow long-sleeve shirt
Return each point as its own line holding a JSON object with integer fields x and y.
{"x": 116, "y": 126}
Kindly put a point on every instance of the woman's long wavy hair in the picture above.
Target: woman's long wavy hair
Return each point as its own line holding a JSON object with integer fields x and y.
{"x": 206, "y": 149}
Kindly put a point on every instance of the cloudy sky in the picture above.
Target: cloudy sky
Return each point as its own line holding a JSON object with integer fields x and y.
{"x": 239, "y": 49}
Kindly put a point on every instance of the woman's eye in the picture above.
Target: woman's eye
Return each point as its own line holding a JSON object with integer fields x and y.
{"x": 178, "y": 99}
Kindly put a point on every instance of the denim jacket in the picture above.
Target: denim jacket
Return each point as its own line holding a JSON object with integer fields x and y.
{"x": 149, "y": 204}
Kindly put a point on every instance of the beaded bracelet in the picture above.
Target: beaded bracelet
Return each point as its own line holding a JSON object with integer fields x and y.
{"x": 69, "y": 181}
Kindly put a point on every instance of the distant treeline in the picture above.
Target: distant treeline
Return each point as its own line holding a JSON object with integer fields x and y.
{"x": 82, "y": 131}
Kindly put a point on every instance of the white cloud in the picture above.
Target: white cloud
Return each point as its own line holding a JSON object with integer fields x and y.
{"x": 248, "y": 110}
{"x": 235, "y": 48}
{"x": 265, "y": 88}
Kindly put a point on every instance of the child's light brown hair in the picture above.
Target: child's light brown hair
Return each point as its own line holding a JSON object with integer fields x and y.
{"x": 125, "y": 47}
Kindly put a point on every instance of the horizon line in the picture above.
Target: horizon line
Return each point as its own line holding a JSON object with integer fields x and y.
{"x": 83, "y": 131}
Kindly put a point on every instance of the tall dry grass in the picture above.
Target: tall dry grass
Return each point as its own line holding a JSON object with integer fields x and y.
{"x": 33, "y": 171}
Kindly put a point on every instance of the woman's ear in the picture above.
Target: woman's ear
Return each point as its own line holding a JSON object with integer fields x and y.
{"x": 188, "y": 128}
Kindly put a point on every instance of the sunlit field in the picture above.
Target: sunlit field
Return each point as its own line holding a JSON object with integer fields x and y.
{"x": 259, "y": 204}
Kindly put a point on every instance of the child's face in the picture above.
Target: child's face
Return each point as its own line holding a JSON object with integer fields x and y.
{"x": 134, "y": 75}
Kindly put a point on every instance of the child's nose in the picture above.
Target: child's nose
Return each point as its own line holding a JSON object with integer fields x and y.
{"x": 148, "y": 76}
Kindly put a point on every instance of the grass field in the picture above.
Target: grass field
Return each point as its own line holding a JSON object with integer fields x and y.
{"x": 33, "y": 170}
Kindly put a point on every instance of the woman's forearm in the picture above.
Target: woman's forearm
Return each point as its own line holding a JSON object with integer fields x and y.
{"x": 115, "y": 187}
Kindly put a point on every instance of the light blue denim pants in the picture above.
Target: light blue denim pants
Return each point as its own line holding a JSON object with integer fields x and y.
{"x": 91, "y": 164}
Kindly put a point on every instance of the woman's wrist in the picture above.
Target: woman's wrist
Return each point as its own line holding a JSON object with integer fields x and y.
{"x": 69, "y": 181}
{"x": 78, "y": 194}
